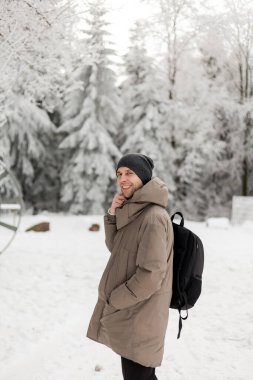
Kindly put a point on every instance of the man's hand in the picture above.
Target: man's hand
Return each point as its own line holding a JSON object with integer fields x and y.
{"x": 117, "y": 201}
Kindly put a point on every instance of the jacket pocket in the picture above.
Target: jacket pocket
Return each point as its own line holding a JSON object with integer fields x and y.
{"x": 117, "y": 273}
{"x": 108, "y": 310}
{"x": 111, "y": 315}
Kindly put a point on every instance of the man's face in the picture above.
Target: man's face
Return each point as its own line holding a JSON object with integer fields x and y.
{"x": 128, "y": 181}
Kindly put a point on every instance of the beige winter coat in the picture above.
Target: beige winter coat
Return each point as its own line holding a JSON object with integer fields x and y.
{"x": 137, "y": 281}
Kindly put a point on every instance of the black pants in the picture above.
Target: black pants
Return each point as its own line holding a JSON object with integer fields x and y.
{"x": 136, "y": 371}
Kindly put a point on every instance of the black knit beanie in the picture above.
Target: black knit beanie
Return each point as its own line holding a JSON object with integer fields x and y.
{"x": 140, "y": 164}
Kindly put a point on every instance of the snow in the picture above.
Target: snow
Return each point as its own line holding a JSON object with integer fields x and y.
{"x": 10, "y": 206}
{"x": 48, "y": 289}
{"x": 218, "y": 223}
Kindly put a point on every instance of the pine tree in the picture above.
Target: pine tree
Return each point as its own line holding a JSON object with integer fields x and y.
{"x": 34, "y": 45}
{"x": 34, "y": 56}
{"x": 93, "y": 113}
{"x": 247, "y": 142}
{"x": 208, "y": 159}
{"x": 147, "y": 129}
{"x": 31, "y": 153}
{"x": 234, "y": 27}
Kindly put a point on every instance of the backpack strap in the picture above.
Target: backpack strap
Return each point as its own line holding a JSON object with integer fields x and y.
{"x": 182, "y": 296}
{"x": 180, "y": 324}
{"x": 180, "y": 214}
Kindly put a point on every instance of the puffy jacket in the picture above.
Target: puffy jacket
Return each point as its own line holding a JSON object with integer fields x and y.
{"x": 131, "y": 314}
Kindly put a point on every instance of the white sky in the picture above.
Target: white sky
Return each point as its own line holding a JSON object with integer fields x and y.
{"x": 124, "y": 14}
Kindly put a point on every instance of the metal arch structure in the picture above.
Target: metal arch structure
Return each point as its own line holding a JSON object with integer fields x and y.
{"x": 11, "y": 206}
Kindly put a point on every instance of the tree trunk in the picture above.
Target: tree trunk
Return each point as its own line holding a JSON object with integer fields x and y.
{"x": 247, "y": 80}
{"x": 241, "y": 83}
{"x": 251, "y": 83}
{"x": 245, "y": 177}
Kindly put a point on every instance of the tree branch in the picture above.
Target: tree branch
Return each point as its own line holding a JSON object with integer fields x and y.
{"x": 38, "y": 13}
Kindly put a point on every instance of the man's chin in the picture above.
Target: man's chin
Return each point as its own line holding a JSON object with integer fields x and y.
{"x": 128, "y": 195}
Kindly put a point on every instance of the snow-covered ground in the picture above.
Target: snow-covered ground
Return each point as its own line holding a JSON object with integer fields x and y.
{"x": 48, "y": 288}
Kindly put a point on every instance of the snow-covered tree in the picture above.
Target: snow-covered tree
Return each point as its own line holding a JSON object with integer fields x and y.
{"x": 92, "y": 114}
{"x": 208, "y": 160}
{"x": 34, "y": 49}
{"x": 32, "y": 154}
{"x": 234, "y": 26}
{"x": 174, "y": 27}
{"x": 34, "y": 54}
{"x": 4, "y": 144}
{"x": 246, "y": 112}
{"x": 209, "y": 171}
{"x": 147, "y": 128}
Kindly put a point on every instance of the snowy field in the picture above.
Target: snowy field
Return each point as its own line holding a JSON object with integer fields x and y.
{"x": 48, "y": 288}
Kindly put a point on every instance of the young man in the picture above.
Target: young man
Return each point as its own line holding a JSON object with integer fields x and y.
{"x": 131, "y": 314}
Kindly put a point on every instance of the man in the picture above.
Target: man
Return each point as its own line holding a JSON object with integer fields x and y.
{"x": 131, "y": 314}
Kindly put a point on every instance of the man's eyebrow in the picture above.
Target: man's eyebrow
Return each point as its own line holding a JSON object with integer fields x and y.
{"x": 127, "y": 170}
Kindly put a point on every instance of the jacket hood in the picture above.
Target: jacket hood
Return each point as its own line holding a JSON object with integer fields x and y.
{"x": 154, "y": 192}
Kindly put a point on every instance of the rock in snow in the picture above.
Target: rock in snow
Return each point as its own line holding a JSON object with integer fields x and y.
{"x": 98, "y": 368}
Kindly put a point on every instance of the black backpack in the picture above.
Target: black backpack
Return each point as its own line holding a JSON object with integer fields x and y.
{"x": 188, "y": 264}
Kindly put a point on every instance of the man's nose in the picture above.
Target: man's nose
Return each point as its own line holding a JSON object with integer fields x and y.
{"x": 122, "y": 179}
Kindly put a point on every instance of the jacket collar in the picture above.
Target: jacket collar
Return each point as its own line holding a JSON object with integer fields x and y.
{"x": 154, "y": 192}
